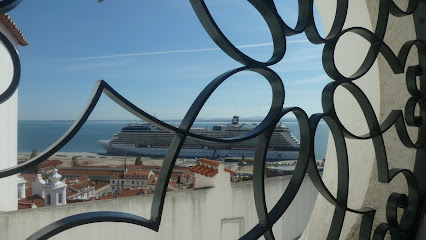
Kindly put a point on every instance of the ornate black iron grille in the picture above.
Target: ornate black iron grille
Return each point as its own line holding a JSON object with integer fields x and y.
{"x": 412, "y": 204}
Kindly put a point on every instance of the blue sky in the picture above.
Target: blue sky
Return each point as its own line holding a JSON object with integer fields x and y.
{"x": 157, "y": 55}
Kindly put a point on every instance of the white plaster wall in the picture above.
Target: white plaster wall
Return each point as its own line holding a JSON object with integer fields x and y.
{"x": 203, "y": 181}
{"x": 8, "y": 128}
{"x": 188, "y": 214}
{"x": 386, "y": 91}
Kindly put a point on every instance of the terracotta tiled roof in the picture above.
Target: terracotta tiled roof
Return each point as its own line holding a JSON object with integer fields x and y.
{"x": 29, "y": 177}
{"x": 143, "y": 172}
{"x": 69, "y": 201}
{"x": 36, "y": 199}
{"x": 24, "y": 205}
{"x": 130, "y": 172}
{"x": 117, "y": 176}
{"x": 210, "y": 162}
{"x": 50, "y": 163}
{"x": 205, "y": 170}
{"x": 175, "y": 174}
{"x": 81, "y": 179}
{"x": 80, "y": 185}
{"x": 153, "y": 180}
{"x": 108, "y": 196}
{"x": 171, "y": 186}
{"x": 70, "y": 192}
{"x": 88, "y": 172}
{"x": 11, "y": 26}
{"x": 130, "y": 192}
{"x": 100, "y": 185}
{"x": 208, "y": 168}
{"x": 145, "y": 167}
{"x": 232, "y": 172}
{"x": 212, "y": 173}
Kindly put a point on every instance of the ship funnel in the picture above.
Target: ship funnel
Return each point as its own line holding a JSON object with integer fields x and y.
{"x": 235, "y": 120}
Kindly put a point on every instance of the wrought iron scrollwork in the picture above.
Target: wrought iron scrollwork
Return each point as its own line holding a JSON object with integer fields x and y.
{"x": 308, "y": 125}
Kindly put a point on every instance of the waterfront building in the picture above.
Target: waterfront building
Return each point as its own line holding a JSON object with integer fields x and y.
{"x": 130, "y": 179}
{"x": 80, "y": 188}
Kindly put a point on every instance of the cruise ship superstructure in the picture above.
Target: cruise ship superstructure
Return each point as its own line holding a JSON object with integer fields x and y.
{"x": 148, "y": 140}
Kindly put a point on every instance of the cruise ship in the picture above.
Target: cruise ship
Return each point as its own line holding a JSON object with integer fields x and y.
{"x": 144, "y": 139}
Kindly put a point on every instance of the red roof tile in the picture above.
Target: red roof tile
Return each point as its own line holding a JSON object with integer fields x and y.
{"x": 70, "y": 192}
{"x": 208, "y": 161}
{"x": 81, "y": 179}
{"x": 175, "y": 174}
{"x": 232, "y": 172}
{"x": 29, "y": 177}
{"x": 205, "y": 170}
{"x": 144, "y": 167}
{"x": 117, "y": 176}
{"x": 153, "y": 180}
{"x": 212, "y": 174}
{"x": 143, "y": 172}
{"x": 100, "y": 185}
{"x": 11, "y": 26}
{"x": 50, "y": 163}
{"x": 80, "y": 185}
{"x": 36, "y": 199}
{"x": 108, "y": 196}
{"x": 87, "y": 172}
{"x": 130, "y": 172}
{"x": 130, "y": 192}
{"x": 24, "y": 205}
{"x": 171, "y": 186}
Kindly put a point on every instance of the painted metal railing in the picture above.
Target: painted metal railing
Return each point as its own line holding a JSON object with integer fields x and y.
{"x": 412, "y": 203}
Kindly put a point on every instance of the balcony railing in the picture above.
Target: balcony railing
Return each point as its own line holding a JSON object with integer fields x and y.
{"x": 405, "y": 227}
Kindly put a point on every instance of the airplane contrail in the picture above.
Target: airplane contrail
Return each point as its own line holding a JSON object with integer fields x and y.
{"x": 166, "y": 52}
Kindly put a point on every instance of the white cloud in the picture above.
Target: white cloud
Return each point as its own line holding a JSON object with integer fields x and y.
{"x": 166, "y": 52}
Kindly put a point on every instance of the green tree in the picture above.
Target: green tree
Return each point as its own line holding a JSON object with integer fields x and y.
{"x": 74, "y": 161}
{"x": 35, "y": 169}
{"x": 241, "y": 161}
{"x": 138, "y": 161}
{"x": 34, "y": 153}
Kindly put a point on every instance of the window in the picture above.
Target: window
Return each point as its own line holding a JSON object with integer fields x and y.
{"x": 113, "y": 181}
{"x": 60, "y": 197}
{"x": 48, "y": 199}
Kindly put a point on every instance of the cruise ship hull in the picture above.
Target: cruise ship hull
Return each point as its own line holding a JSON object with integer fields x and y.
{"x": 132, "y": 149}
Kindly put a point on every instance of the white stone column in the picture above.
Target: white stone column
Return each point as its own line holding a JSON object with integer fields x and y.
{"x": 386, "y": 91}
{"x": 8, "y": 129}
{"x": 64, "y": 196}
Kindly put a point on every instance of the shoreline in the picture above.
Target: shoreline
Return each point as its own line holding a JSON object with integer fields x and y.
{"x": 93, "y": 159}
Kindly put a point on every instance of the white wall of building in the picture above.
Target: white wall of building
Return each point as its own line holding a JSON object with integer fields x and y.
{"x": 8, "y": 128}
{"x": 188, "y": 214}
{"x": 386, "y": 91}
{"x": 127, "y": 183}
